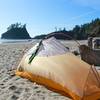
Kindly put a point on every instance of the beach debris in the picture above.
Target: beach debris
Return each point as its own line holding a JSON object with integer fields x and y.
{"x": 89, "y": 55}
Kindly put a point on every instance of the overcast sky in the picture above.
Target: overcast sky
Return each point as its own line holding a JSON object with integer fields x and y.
{"x": 42, "y": 16}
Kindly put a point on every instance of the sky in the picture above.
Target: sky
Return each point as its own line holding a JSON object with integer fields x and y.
{"x": 42, "y": 16}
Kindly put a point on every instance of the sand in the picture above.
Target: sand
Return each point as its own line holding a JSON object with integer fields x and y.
{"x": 16, "y": 88}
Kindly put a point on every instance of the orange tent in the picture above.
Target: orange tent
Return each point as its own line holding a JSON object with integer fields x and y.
{"x": 59, "y": 70}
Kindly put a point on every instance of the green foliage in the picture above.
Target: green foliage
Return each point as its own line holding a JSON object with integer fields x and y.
{"x": 86, "y": 30}
{"x": 16, "y": 31}
{"x": 80, "y": 32}
{"x": 39, "y": 36}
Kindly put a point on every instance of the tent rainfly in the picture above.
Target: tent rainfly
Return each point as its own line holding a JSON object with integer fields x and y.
{"x": 61, "y": 71}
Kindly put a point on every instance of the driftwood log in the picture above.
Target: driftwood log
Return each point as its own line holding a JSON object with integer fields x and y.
{"x": 89, "y": 56}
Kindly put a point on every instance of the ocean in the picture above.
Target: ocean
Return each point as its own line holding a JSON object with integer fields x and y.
{"x": 16, "y": 40}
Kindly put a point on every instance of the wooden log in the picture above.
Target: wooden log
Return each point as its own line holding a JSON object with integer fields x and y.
{"x": 89, "y": 56}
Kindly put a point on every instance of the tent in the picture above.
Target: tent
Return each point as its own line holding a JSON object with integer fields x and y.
{"x": 61, "y": 71}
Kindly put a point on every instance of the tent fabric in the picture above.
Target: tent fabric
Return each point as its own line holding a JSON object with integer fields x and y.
{"x": 92, "y": 85}
{"x": 49, "y": 47}
{"x": 64, "y": 73}
{"x": 52, "y": 47}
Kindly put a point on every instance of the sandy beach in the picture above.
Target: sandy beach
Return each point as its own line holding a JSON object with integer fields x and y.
{"x": 16, "y": 88}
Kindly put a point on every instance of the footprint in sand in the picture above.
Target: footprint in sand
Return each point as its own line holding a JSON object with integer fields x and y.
{"x": 14, "y": 97}
{"x": 1, "y": 84}
{"x": 12, "y": 87}
{"x": 18, "y": 91}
